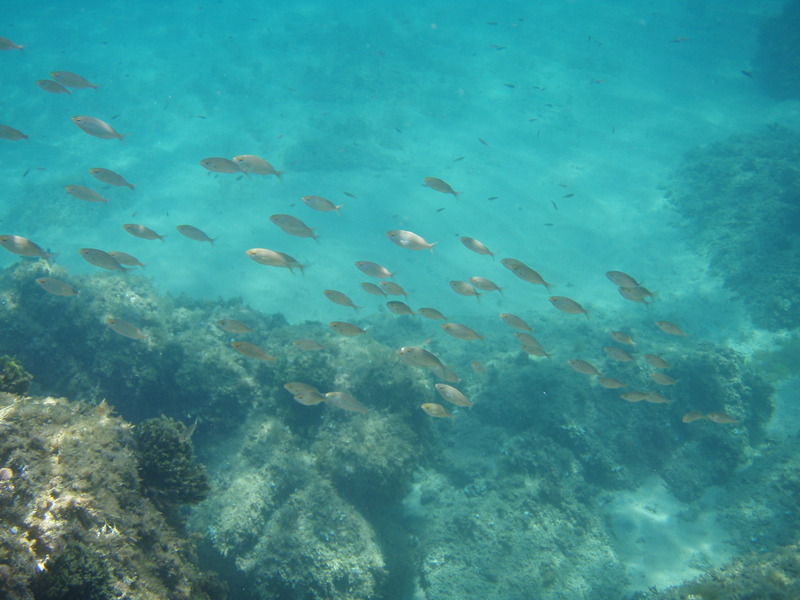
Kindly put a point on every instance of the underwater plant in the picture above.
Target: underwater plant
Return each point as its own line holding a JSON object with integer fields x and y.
{"x": 77, "y": 574}
{"x": 14, "y": 379}
{"x": 167, "y": 470}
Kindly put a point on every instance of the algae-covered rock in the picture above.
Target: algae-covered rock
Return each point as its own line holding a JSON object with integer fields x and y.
{"x": 314, "y": 546}
{"x": 739, "y": 203}
{"x": 76, "y": 514}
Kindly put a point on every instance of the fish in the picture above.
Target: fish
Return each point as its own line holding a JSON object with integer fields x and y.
{"x": 419, "y": 357}
{"x": 56, "y": 287}
{"x": 24, "y": 247}
{"x": 610, "y": 383}
{"x": 515, "y": 322}
{"x": 233, "y": 326}
{"x": 476, "y": 246}
{"x": 656, "y": 361}
{"x": 298, "y": 387}
{"x": 399, "y": 308}
{"x": 656, "y": 398}
{"x": 142, "y": 232}
{"x": 373, "y": 289}
{"x": 293, "y": 226}
{"x": 250, "y": 163}
{"x": 464, "y": 289}
{"x": 97, "y": 128}
{"x": 309, "y": 398}
{"x": 721, "y": 417}
{"x": 126, "y": 259}
{"x": 637, "y": 294}
{"x": 581, "y": 366}
{"x": 622, "y": 338}
{"x": 524, "y": 272}
{"x": 321, "y": 204}
{"x": 218, "y": 164}
{"x": 633, "y": 396}
{"x": 101, "y": 259}
{"x": 345, "y": 401}
{"x": 617, "y": 354}
{"x": 271, "y": 258}
{"x": 526, "y": 339}
{"x": 7, "y": 44}
{"x": 126, "y": 329}
{"x": 477, "y": 367}
{"x": 487, "y": 285}
{"x": 308, "y": 345}
{"x": 452, "y": 395}
{"x": 251, "y": 351}
{"x": 662, "y": 378}
{"x": 436, "y": 410}
{"x": 692, "y": 416}
{"x": 670, "y": 328}
{"x": 11, "y": 134}
{"x": 447, "y": 374}
{"x": 440, "y": 186}
{"x": 392, "y": 289}
{"x": 409, "y": 240}
{"x": 110, "y": 177}
{"x": 567, "y": 305}
{"x": 534, "y": 350}
{"x": 373, "y": 269}
{"x": 72, "y": 80}
{"x": 346, "y": 329}
{"x": 431, "y": 313}
{"x": 187, "y": 433}
{"x": 52, "y": 87}
{"x": 83, "y": 193}
{"x": 461, "y": 332}
{"x": 193, "y": 233}
{"x": 339, "y": 298}
{"x": 621, "y": 279}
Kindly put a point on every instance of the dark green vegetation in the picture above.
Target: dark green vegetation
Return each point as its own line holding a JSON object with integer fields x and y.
{"x": 78, "y": 573}
{"x": 13, "y": 378}
{"x": 778, "y": 59}
{"x": 739, "y": 202}
{"x": 167, "y": 470}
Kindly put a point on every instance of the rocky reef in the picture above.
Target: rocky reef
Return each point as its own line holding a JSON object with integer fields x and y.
{"x": 507, "y": 499}
{"x": 73, "y": 520}
{"x": 739, "y": 204}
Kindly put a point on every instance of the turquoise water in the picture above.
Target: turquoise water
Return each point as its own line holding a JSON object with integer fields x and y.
{"x": 560, "y": 123}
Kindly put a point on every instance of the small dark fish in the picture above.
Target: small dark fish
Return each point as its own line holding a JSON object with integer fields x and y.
{"x": 568, "y": 196}
{"x": 349, "y": 195}
{"x": 483, "y": 141}
{"x": 747, "y": 74}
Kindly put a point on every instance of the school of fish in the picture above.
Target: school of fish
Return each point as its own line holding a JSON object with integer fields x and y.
{"x": 247, "y": 165}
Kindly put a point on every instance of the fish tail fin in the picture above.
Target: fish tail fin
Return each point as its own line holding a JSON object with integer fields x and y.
{"x": 130, "y": 185}
{"x": 121, "y": 137}
{"x": 431, "y": 246}
{"x": 50, "y": 257}
{"x": 279, "y": 175}
{"x": 338, "y": 214}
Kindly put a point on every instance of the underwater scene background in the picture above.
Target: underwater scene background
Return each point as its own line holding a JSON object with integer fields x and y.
{"x": 601, "y": 201}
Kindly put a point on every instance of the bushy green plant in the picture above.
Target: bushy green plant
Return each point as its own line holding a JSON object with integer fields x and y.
{"x": 166, "y": 465}
{"x": 77, "y": 574}
{"x": 13, "y": 378}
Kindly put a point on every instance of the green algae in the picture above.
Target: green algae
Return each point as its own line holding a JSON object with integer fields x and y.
{"x": 14, "y": 379}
